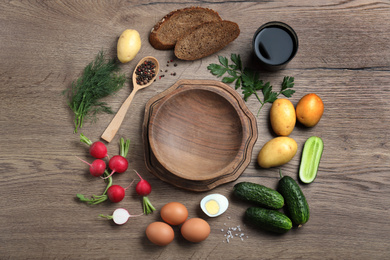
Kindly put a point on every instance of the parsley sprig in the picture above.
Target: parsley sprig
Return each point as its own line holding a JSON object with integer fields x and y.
{"x": 249, "y": 80}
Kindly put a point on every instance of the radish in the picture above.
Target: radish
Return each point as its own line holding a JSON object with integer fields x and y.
{"x": 96, "y": 149}
{"x": 144, "y": 188}
{"x": 118, "y": 164}
{"x": 97, "y": 167}
{"x": 120, "y": 216}
{"x": 116, "y": 193}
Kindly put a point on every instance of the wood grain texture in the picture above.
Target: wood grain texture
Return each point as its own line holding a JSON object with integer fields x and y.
{"x": 343, "y": 56}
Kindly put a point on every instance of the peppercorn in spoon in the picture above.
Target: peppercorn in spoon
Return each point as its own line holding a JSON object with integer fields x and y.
{"x": 143, "y": 76}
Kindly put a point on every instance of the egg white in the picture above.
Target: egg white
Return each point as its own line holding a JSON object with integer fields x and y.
{"x": 222, "y": 201}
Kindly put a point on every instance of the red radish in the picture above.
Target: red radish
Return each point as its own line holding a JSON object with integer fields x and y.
{"x": 97, "y": 167}
{"x": 144, "y": 188}
{"x": 116, "y": 193}
{"x": 118, "y": 164}
{"x": 96, "y": 149}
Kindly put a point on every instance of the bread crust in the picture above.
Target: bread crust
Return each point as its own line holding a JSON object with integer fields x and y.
{"x": 154, "y": 39}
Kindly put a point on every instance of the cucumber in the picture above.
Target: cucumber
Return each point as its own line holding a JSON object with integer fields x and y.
{"x": 311, "y": 156}
{"x": 259, "y": 194}
{"x": 297, "y": 207}
{"x": 268, "y": 219}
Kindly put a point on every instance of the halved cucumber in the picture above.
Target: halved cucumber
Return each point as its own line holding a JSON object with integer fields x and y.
{"x": 311, "y": 156}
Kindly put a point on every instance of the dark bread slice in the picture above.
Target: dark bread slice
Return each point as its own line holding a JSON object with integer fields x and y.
{"x": 172, "y": 27}
{"x": 206, "y": 39}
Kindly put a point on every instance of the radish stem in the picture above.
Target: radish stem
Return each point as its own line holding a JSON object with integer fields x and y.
{"x": 85, "y": 139}
{"x": 124, "y": 147}
{"x": 147, "y": 206}
{"x": 100, "y": 198}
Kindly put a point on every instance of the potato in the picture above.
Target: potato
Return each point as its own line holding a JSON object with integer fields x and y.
{"x": 129, "y": 44}
{"x": 277, "y": 151}
{"x": 309, "y": 110}
{"x": 282, "y": 117}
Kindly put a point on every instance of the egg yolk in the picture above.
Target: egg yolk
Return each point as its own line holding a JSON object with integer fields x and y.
{"x": 212, "y": 207}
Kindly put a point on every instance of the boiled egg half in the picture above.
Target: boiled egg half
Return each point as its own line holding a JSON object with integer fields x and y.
{"x": 214, "y": 205}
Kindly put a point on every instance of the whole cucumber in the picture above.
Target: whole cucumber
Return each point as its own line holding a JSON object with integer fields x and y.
{"x": 296, "y": 203}
{"x": 268, "y": 219}
{"x": 259, "y": 194}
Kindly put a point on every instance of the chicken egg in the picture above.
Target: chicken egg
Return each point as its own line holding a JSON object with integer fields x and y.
{"x": 214, "y": 205}
{"x": 195, "y": 230}
{"x": 160, "y": 233}
{"x": 174, "y": 213}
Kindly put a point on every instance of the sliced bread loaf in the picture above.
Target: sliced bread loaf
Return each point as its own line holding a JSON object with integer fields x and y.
{"x": 172, "y": 27}
{"x": 206, "y": 39}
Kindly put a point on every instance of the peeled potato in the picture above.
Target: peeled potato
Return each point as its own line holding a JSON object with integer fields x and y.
{"x": 129, "y": 44}
{"x": 277, "y": 151}
{"x": 282, "y": 117}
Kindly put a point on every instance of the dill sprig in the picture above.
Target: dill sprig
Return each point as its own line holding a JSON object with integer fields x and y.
{"x": 99, "y": 79}
{"x": 248, "y": 80}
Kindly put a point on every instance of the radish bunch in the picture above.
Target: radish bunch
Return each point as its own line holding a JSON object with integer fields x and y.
{"x": 114, "y": 193}
{"x": 117, "y": 164}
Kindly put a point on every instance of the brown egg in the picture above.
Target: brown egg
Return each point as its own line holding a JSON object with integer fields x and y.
{"x": 195, "y": 230}
{"x": 174, "y": 213}
{"x": 160, "y": 233}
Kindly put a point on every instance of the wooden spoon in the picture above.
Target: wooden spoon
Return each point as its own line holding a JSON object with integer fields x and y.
{"x": 116, "y": 122}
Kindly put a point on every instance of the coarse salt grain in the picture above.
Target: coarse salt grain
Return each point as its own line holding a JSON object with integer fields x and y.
{"x": 232, "y": 232}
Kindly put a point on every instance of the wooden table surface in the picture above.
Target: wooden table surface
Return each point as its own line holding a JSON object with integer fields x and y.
{"x": 344, "y": 57}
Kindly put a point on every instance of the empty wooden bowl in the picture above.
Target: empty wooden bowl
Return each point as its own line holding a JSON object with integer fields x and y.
{"x": 200, "y": 130}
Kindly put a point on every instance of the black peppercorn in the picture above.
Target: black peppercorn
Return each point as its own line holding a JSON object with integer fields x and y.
{"x": 145, "y": 72}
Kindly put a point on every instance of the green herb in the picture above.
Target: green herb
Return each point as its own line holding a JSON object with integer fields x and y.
{"x": 99, "y": 79}
{"x": 249, "y": 80}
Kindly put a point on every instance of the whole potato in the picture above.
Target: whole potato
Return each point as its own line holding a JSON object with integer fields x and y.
{"x": 282, "y": 117}
{"x": 309, "y": 110}
{"x": 277, "y": 151}
{"x": 129, "y": 44}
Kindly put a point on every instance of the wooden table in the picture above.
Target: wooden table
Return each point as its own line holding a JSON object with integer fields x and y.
{"x": 344, "y": 57}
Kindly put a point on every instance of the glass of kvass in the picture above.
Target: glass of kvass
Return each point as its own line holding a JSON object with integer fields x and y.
{"x": 275, "y": 45}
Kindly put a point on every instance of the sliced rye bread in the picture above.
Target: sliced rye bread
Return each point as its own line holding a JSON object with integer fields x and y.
{"x": 206, "y": 39}
{"x": 172, "y": 27}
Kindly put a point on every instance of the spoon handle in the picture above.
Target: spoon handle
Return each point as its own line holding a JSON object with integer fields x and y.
{"x": 116, "y": 122}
